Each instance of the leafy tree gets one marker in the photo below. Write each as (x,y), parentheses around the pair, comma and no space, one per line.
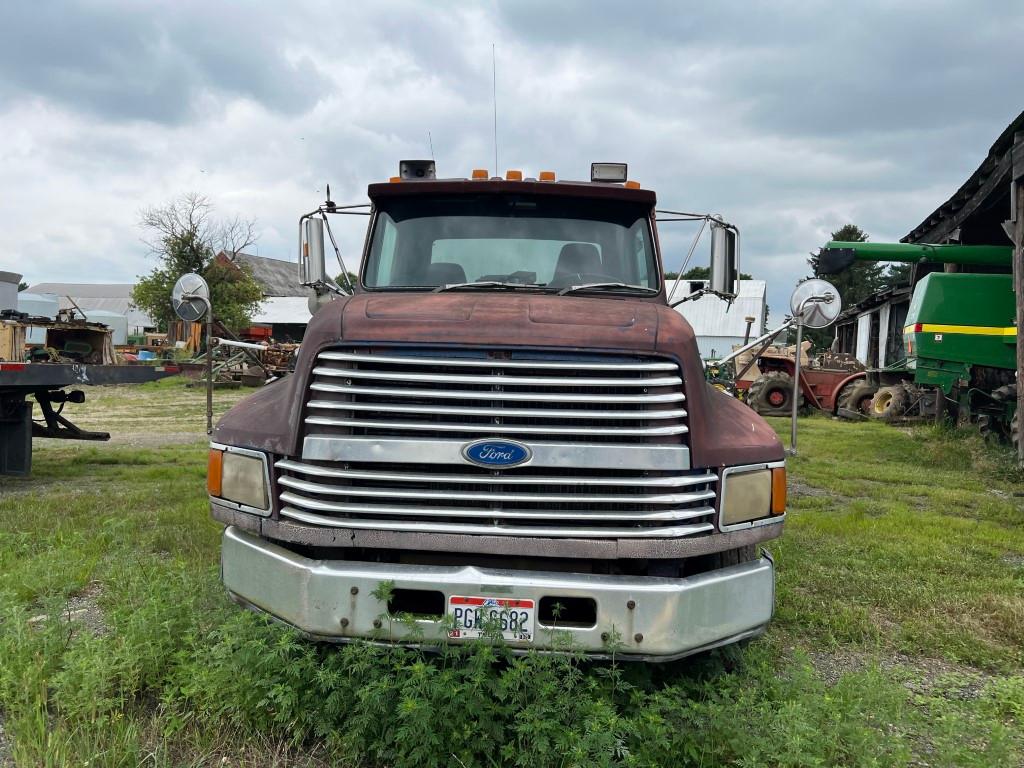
(897,274)
(185,237)
(862,278)
(700,273)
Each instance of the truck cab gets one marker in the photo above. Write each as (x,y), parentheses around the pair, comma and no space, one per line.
(502,431)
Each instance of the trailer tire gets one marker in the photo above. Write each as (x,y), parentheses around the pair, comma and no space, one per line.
(772,394)
(889,404)
(857,398)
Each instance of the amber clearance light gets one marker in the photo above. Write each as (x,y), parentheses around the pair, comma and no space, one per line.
(778,490)
(214,471)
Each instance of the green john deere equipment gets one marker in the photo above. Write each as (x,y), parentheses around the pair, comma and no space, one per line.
(959,338)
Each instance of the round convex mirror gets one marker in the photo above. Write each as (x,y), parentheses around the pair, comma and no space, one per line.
(188,296)
(820,301)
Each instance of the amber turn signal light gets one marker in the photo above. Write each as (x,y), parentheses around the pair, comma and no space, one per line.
(778,490)
(214,469)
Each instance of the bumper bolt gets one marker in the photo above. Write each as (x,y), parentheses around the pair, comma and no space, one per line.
(631,604)
(638,637)
(344,622)
(376,623)
(354,591)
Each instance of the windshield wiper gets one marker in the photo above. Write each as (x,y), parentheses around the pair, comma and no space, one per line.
(602,286)
(485,284)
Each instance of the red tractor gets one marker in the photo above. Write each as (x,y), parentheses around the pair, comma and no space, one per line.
(764,379)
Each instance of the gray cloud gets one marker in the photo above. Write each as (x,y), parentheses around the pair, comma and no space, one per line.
(134,61)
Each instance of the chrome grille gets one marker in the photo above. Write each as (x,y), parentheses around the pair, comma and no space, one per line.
(565,405)
(405,392)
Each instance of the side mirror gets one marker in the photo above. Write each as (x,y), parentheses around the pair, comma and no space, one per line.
(312,267)
(724,260)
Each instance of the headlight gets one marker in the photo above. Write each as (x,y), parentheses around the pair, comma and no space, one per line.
(752,493)
(238,475)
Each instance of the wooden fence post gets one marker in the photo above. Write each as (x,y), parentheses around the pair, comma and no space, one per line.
(1018,279)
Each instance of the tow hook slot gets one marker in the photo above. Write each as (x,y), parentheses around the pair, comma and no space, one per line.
(564,612)
(422,603)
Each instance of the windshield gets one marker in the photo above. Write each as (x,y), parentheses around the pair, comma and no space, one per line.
(548,243)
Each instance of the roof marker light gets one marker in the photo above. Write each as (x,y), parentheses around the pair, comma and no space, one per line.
(395,179)
(479,173)
(417,169)
(513,175)
(632,185)
(614,173)
(546,176)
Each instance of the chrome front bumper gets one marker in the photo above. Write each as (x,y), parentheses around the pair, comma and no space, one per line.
(645,617)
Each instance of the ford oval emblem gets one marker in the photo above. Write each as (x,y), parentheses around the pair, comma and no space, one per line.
(496,453)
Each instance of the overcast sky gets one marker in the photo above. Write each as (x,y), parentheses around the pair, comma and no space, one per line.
(788,118)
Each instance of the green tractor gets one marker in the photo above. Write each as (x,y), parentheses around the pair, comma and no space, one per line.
(959,338)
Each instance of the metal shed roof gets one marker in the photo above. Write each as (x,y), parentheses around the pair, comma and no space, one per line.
(275,277)
(711,316)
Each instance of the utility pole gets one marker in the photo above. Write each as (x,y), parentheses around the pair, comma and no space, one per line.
(1017,196)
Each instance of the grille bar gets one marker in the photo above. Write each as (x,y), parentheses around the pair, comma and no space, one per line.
(482,512)
(544,397)
(492,496)
(486,362)
(533,413)
(316,470)
(501,429)
(667,532)
(519,381)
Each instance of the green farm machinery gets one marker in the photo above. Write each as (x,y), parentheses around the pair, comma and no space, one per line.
(959,339)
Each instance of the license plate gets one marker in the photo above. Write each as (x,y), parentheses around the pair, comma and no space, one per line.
(474,616)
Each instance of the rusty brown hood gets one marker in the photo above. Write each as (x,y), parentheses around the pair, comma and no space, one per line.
(512,319)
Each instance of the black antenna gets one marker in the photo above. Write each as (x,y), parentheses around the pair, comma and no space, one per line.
(329,203)
(494,96)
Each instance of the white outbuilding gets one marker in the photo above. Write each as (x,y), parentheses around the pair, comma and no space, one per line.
(718,326)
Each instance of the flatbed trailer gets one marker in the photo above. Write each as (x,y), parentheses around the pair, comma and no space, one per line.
(47,383)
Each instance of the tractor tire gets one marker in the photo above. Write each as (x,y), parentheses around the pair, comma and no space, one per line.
(772,394)
(995,430)
(857,398)
(843,393)
(889,404)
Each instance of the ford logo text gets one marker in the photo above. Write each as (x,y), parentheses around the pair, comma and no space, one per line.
(496,453)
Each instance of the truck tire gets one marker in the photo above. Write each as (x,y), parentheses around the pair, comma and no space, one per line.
(772,394)
(889,404)
(857,398)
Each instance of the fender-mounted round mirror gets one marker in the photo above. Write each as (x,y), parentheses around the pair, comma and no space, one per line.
(816,302)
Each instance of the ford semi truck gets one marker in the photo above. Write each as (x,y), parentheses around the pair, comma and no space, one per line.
(502,429)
